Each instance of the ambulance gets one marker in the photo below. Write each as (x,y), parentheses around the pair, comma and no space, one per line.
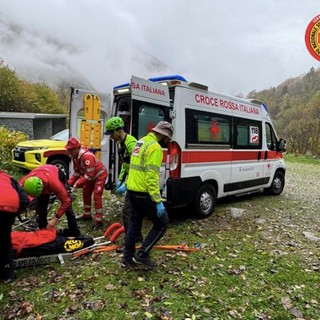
(222,145)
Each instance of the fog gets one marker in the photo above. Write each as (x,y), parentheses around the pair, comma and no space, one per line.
(232,46)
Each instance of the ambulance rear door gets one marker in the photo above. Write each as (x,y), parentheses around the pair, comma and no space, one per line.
(89,111)
(150,104)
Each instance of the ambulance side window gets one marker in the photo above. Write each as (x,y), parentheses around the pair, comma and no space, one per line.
(247,133)
(270,137)
(207,128)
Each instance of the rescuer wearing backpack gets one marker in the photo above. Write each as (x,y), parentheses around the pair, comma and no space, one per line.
(144,194)
(40,183)
(125,143)
(13,199)
(89,174)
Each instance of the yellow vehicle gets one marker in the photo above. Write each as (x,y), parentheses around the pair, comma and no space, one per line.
(34,153)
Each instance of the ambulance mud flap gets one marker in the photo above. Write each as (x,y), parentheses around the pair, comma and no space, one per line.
(182,191)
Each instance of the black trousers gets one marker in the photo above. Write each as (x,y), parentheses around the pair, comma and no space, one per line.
(126,213)
(6,251)
(142,206)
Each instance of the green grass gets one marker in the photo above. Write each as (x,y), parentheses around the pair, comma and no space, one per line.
(258,266)
(301,159)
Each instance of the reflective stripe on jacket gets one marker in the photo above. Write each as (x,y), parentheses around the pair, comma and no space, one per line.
(145,166)
(86,168)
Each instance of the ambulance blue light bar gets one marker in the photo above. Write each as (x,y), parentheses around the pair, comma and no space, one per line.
(265,106)
(167,78)
(154,79)
(258,102)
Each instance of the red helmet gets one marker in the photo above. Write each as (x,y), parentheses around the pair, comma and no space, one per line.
(72,144)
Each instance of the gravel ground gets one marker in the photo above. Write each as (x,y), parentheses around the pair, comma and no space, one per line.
(303,185)
(290,223)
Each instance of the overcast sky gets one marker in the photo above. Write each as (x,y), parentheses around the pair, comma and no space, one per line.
(233,46)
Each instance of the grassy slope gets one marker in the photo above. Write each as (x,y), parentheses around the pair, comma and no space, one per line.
(258,266)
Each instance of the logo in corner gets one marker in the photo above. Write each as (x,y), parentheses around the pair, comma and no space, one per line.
(312,37)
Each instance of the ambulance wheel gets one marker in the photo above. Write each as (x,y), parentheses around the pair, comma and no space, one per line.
(205,201)
(277,184)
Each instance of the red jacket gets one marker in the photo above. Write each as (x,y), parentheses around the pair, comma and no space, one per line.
(86,167)
(9,198)
(51,184)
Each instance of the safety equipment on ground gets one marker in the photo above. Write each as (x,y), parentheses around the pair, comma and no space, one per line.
(118,184)
(113,124)
(160,209)
(174,247)
(165,128)
(111,235)
(72,144)
(122,189)
(33,186)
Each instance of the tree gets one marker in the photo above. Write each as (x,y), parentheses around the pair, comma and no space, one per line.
(9,88)
(17,95)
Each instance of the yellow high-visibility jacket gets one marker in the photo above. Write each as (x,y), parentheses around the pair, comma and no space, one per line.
(125,150)
(145,166)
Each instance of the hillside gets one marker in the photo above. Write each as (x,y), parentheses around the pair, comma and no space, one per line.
(295,107)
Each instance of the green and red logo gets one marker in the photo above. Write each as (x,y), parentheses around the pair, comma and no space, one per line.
(312,37)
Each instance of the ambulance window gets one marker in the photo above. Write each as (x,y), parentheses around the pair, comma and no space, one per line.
(123,104)
(248,134)
(270,137)
(145,117)
(207,128)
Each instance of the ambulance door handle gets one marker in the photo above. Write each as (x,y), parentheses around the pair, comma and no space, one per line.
(259,155)
(266,155)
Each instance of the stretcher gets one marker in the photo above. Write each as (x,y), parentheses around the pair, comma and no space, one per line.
(112,234)
(39,247)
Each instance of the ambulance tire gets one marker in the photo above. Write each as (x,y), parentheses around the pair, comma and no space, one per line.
(205,201)
(277,184)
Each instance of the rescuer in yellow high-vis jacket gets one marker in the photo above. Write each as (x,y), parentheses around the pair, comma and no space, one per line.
(144,194)
(125,144)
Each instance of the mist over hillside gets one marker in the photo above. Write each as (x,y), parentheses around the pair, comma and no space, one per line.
(51,60)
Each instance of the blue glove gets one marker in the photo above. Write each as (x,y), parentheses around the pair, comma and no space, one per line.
(122,189)
(118,184)
(160,209)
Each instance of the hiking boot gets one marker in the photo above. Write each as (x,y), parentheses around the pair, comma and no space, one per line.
(7,281)
(97,225)
(7,273)
(146,261)
(126,263)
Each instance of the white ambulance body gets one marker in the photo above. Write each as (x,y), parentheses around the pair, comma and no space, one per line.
(221,145)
